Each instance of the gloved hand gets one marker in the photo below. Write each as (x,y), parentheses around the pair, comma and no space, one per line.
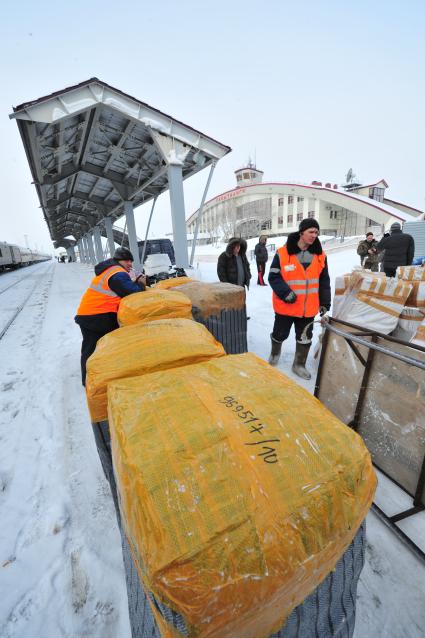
(290,297)
(141,279)
(323,310)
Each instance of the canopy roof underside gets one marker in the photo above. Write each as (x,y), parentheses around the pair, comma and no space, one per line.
(91,148)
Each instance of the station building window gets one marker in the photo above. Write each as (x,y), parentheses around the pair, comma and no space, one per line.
(290,199)
(280,201)
(280,221)
(290,219)
(299,217)
(300,199)
(377,194)
(311,214)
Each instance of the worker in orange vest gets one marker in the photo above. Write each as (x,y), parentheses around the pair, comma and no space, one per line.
(97,312)
(301,288)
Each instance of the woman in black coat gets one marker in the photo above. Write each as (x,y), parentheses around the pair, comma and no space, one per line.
(232,265)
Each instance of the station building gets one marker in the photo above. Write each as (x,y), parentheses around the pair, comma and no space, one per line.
(276,208)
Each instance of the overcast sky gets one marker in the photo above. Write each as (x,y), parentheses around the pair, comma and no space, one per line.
(308,88)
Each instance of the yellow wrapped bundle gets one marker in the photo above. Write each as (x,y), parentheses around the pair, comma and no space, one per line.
(142,348)
(154,304)
(165,284)
(211,298)
(239,492)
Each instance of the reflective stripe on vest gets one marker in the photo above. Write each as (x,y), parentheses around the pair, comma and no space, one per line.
(305,284)
(99,298)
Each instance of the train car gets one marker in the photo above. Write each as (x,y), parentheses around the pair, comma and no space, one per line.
(12,256)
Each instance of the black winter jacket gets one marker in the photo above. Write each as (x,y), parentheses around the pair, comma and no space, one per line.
(261,252)
(399,249)
(279,285)
(227,269)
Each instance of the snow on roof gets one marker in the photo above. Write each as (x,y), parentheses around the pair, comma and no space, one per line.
(390,210)
(381,181)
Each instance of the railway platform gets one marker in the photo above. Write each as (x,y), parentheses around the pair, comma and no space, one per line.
(60,550)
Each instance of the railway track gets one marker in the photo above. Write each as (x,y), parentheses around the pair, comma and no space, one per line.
(11,285)
(18,310)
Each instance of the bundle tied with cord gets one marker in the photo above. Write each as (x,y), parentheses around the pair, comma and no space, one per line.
(142,348)
(373,301)
(221,308)
(154,304)
(235,502)
(172,282)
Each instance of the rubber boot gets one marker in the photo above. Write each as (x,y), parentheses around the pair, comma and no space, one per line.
(301,354)
(275,353)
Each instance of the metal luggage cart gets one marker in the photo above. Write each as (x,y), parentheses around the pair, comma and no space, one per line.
(375,384)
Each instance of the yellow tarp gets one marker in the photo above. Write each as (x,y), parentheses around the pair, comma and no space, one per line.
(154,304)
(142,348)
(165,284)
(239,491)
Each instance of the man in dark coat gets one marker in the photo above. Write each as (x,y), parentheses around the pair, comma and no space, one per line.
(97,312)
(232,265)
(369,255)
(399,250)
(261,256)
(301,288)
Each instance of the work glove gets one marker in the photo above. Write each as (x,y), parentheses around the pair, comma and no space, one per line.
(141,279)
(291,297)
(323,310)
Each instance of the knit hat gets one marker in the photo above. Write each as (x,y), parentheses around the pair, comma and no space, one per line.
(395,226)
(309,222)
(123,254)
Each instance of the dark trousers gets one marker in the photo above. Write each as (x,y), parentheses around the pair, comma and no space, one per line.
(283,323)
(261,268)
(92,328)
(374,267)
(390,272)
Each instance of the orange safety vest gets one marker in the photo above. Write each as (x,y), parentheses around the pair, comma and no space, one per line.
(99,298)
(304,282)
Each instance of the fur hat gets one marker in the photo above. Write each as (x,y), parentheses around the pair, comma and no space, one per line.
(307,223)
(395,226)
(123,254)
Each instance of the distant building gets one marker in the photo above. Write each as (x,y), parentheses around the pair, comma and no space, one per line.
(276,208)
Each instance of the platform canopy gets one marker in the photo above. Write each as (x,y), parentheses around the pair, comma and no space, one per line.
(94,151)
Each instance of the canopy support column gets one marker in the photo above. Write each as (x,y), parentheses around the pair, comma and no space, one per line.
(174,154)
(109,235)
(71,253)
(131,231)
(86,250)
(90,247)
(98,243)
(178,217)
(201,208)
(80,249)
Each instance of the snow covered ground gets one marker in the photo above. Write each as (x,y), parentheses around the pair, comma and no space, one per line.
(61,571)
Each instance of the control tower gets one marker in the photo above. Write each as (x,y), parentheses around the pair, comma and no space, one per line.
(248,175)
